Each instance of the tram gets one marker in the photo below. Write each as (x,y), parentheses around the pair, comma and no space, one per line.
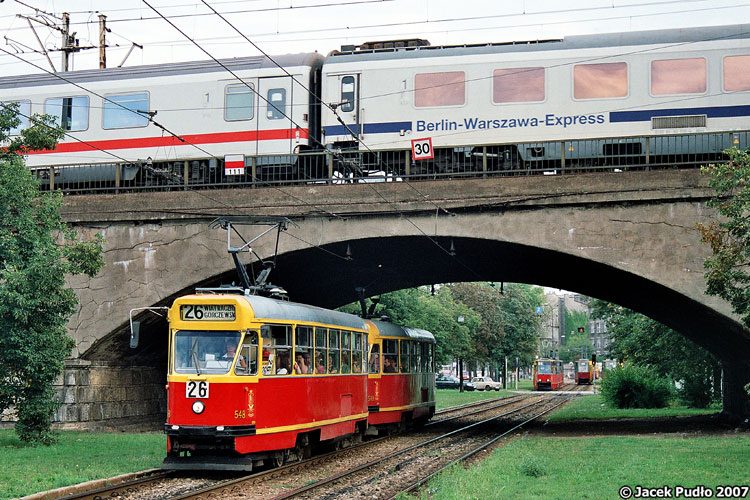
(547,374)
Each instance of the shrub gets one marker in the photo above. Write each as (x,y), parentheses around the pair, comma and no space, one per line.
(533,466)
(635,387)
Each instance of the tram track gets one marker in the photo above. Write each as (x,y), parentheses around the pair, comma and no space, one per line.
(266,484)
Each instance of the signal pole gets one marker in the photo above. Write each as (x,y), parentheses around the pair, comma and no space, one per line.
(102,41)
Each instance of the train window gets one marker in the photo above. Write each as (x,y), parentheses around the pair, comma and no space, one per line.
(357,353)
(678,76)
(125,111)
(303,350)
(72,113)
(346,352)
(24,112)
(321,335)
(440,89)
(247,361)
(602,80)
(390,356)
(204,351)
(736,73)
(414,365)
(238,102)
(276,104)
(518,85)
(405,351)
(544,367)
(425,358)
(374,365)
(333,351)
(347,94)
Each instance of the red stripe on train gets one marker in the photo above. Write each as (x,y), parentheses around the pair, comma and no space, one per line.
(167,141)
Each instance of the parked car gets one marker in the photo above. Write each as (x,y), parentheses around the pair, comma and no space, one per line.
(485,384)
(451,382)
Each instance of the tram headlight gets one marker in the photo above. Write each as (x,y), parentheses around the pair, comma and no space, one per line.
(198,407)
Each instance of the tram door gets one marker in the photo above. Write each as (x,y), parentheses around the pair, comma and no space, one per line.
(349,108)
(275,128)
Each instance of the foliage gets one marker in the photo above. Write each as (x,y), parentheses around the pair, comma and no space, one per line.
(633,386)
(37,252)
(647,342)
(727,273)
(576,346)
(533,466)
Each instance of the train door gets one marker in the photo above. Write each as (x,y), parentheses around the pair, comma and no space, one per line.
(240,113)
(275,127)
(348,105)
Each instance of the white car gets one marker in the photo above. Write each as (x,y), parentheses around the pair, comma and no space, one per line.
(485,384)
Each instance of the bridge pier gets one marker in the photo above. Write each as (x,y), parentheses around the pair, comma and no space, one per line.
(736,404)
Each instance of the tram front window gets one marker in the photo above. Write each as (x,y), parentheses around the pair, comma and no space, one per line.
(201,352)
(583,367)
(544,368)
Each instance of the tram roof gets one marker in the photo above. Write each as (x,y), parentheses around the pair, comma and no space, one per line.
(267,308)
(388,329)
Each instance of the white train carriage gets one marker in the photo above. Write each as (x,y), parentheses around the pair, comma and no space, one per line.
(205,105)
(656,84)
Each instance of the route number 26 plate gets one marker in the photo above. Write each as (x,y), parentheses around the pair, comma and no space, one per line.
(196,389)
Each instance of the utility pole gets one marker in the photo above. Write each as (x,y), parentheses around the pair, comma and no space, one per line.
(102,41)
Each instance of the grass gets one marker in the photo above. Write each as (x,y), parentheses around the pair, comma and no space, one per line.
(593,407)
(558,468)
(77,457)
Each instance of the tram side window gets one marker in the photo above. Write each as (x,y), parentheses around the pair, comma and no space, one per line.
(404,367)
(390,356)
(277,349)
(346,352)
(24,112)
(356,352)
(72,113)
(374,364)
(736,73)
(414,365)
(303,351)
(321,348)
(247,362)
(425,357)
(333,351)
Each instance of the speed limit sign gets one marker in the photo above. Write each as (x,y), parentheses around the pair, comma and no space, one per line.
(421,149)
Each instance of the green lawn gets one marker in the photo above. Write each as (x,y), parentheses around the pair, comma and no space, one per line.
(77,457)
(593,407)
(576,468)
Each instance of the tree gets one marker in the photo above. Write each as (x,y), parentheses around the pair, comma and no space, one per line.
(37,252)
(646,342)
(727,273)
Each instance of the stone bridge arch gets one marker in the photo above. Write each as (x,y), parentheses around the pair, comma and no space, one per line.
(625,237)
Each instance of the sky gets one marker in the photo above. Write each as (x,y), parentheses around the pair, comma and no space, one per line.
(294,26)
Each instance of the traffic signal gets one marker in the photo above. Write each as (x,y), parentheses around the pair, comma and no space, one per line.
(593,358)
(580,329)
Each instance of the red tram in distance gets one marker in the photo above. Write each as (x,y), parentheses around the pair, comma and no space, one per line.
(584,372)
(255,381)
(547,374)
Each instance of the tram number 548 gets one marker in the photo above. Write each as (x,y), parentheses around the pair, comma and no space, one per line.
(421,149)
(196,389)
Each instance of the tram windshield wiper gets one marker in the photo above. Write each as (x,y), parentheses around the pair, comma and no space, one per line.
(194,355)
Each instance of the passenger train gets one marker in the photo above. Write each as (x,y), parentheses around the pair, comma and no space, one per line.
(655,92)
(584,371)
(547,374)
(255,381)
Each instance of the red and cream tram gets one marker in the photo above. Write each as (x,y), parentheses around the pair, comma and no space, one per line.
(584,371)
(257,381)
(547,374)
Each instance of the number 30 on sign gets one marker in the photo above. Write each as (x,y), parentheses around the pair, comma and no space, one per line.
(421,149)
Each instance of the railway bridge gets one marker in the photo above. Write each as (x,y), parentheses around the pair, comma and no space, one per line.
(626,237)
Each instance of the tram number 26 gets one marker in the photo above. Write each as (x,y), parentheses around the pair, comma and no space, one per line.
(196,389)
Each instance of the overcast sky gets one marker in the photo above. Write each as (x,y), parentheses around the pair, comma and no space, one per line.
(289,26)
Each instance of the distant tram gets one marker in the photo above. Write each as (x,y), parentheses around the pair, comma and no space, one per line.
(584,372)
(547,374)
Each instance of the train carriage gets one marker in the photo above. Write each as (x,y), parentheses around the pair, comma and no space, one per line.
(584,372)
(547,374)
(296,377)
(401,383)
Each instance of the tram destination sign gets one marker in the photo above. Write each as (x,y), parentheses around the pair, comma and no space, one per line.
(207,312)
